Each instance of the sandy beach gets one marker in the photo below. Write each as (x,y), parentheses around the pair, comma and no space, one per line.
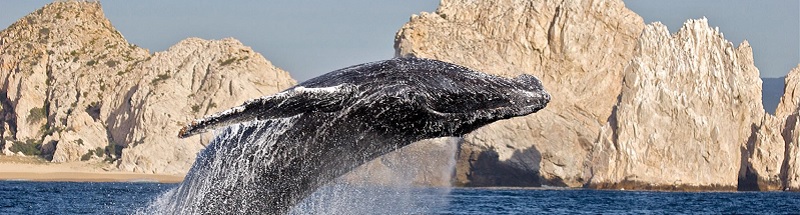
(34,169)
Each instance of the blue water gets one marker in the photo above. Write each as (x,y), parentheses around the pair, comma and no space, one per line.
(19,197)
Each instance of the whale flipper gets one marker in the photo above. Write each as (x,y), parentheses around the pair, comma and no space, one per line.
(285,104)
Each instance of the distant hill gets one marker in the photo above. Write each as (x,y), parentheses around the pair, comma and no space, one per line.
(772,90)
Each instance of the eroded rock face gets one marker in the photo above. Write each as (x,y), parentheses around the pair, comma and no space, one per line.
(191,79)
(688,114)
(770,157)
(788,111)
(791,95)
(577,48)
(689,103)
(60,66)
(763,157)
(73,84)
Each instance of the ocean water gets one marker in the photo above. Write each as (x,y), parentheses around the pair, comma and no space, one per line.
(21,197)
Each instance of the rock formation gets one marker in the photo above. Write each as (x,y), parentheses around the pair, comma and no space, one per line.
(189,80)
(769,160)
(763,157)
(791,95)
(74,89)
(60,67)
(689,102)
(788,112)
(679,111)
(577,48)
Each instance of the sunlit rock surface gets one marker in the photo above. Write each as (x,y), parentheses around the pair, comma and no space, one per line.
(788,112)
(62,67)
(578,48)
(631,108)
(73,84)
(190,79)
(689,104)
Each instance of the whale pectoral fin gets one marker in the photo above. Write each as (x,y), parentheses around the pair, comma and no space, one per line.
(286,104)
(248,111)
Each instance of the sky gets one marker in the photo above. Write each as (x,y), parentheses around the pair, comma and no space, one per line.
(312,37)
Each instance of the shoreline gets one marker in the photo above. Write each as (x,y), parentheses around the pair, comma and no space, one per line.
(17,168)
(89,177)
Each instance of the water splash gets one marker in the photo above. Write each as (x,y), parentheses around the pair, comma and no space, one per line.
(228,164)
(349,199)
(392,190)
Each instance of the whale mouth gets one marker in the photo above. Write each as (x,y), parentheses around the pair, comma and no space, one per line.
(527,103)
(540,98)
(527,96)
(531,92)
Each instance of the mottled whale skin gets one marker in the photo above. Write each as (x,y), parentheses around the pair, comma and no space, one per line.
(333,123)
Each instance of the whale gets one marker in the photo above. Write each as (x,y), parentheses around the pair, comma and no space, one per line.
(271,152)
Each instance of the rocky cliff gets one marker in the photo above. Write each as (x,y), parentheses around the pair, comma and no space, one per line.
(75,90)
(191,79)
(788,114)
(633,106)
(578,49)
(689,103)
(60,66)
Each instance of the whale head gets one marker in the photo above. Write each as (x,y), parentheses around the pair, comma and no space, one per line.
(430,98)
(471,99)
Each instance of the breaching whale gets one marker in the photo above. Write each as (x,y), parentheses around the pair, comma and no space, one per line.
(278,149)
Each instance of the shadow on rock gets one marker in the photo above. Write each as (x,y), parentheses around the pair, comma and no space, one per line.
(482,167)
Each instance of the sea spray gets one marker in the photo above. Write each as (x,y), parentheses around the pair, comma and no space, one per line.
(391,190)
(226,164)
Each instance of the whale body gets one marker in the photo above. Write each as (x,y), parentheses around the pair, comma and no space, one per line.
(278,149)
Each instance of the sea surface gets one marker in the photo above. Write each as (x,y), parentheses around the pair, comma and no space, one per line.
(22,197)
